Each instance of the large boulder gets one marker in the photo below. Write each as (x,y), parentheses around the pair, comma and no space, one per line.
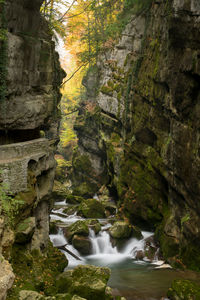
(120,230)
(77,228)
(6,277)
(183,290)
(85,281)
(25,230)
(92,208)
(82,244)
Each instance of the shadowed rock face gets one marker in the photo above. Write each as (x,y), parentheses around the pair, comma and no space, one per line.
(32,77)
(33,72)
(143,130)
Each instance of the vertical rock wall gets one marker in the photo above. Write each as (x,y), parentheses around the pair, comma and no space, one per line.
(140,134)
(30,80)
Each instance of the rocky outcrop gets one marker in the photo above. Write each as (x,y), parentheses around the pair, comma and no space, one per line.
(6,277)
(30,76)
(139,134)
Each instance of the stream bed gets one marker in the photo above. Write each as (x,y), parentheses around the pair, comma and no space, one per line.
(130,277)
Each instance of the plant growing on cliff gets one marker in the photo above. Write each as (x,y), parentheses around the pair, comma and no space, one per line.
(9,206)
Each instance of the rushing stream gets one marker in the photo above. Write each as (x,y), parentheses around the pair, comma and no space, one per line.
(131,278)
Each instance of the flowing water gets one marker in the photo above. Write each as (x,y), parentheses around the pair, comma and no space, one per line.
(131,278)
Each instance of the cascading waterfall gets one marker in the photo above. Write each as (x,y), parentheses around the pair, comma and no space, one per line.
(102,249)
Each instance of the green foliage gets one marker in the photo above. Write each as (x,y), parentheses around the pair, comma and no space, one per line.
(52,11)
(9,206)
(185,219)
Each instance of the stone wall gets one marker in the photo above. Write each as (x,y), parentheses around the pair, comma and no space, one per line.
(143,130)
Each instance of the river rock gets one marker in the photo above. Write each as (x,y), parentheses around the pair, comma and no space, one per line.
(25,230)
(85,281)
(70,210)
(94,225)
(82,244)
(184,289)
(6,277)
(73,199)
(136,232)
(78,228)
(120,230)
(91,208)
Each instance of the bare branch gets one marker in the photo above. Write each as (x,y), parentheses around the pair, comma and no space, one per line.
(74,74)
(80,12)
(67,10)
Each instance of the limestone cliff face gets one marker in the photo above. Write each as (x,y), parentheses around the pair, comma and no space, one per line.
(31,75)
(140,133)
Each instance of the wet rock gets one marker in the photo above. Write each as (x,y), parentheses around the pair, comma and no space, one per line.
(120,230)
(6,277)
(136,232)
(140,255)
(25,230)
(53,227)
(184,289)
(85,281)
(70,210)
(82,244)
(73,199)
(78,228)
(91,208)
(94,225)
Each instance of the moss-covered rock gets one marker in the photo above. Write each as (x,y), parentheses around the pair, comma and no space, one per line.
(136,232)
(60,191)
(92,208)
(120,230)
(35,271)
(25,230)
(184,290)
(78,228)
(74,199)
(94,225)
(85,281)
(82,244)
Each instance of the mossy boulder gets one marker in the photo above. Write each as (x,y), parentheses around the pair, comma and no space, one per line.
(25,230)
(94,225)
(120,230)
(60,191)
(74,199)
(85,281)
(70,210)
(91,208)
(82,244)
(136,233)
(35,271)
(77,228)
(184,290)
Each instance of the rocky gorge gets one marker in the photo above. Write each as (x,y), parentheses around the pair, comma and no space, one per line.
(138,129)
(138,145)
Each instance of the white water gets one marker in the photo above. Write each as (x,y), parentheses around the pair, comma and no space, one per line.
(102,248)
